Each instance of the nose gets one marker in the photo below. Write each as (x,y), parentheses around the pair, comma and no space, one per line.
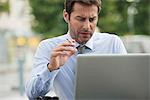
(86,25)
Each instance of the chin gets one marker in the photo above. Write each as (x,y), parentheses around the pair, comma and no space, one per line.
(84,39)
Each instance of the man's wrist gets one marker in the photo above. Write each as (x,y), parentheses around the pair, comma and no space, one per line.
(50,67)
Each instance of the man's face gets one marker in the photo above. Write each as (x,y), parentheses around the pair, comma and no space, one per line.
(82,22)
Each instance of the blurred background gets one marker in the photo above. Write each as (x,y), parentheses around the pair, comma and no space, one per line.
(24,23)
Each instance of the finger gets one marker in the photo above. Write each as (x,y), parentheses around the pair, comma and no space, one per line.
(68,43)
(64,48)
(64,52)
(71,40)
(72,52)
(54,54)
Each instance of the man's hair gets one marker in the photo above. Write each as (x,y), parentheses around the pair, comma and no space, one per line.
(69,4)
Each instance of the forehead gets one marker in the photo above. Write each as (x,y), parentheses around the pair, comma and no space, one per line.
(84,10)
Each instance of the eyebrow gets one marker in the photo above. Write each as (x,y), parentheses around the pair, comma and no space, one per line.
(79,17)
(85,17)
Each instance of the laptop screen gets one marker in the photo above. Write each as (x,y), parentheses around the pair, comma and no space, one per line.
(113,77)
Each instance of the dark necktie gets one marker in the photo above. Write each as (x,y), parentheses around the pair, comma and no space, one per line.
(81,49)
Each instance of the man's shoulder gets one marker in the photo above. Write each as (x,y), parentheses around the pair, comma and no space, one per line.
(53,41)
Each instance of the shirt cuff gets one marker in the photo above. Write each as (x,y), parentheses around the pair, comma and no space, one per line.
(46,75)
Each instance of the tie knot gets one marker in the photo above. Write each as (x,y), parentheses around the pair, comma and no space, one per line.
(81,49)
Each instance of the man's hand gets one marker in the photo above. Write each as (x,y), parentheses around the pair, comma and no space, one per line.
(61,54)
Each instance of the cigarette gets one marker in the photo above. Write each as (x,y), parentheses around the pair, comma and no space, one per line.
(69,41)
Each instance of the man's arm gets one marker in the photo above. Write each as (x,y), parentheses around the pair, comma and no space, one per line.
(48,59)
(41,80)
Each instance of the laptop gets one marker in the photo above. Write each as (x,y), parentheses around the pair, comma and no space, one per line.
(113,77)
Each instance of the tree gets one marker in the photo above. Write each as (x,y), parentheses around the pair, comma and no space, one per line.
(48,17)
(142,19)
(113,17)
(109,18)
(4,6)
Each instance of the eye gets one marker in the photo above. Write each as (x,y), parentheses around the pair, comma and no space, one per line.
(91,19)
(80,19)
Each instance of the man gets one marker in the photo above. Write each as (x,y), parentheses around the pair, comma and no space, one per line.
(55,59)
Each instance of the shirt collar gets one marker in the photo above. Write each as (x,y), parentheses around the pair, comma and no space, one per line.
(89,44)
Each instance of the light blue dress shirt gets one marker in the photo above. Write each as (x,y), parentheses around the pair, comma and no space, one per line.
(63,79)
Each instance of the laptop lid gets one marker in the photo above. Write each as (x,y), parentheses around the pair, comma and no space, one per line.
(113,77)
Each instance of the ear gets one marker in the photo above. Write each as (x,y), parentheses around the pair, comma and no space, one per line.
(66,16)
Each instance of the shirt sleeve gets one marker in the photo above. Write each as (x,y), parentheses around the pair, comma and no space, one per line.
(41,80)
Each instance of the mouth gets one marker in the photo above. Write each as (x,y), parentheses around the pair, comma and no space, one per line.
(85,34)
(82,34)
